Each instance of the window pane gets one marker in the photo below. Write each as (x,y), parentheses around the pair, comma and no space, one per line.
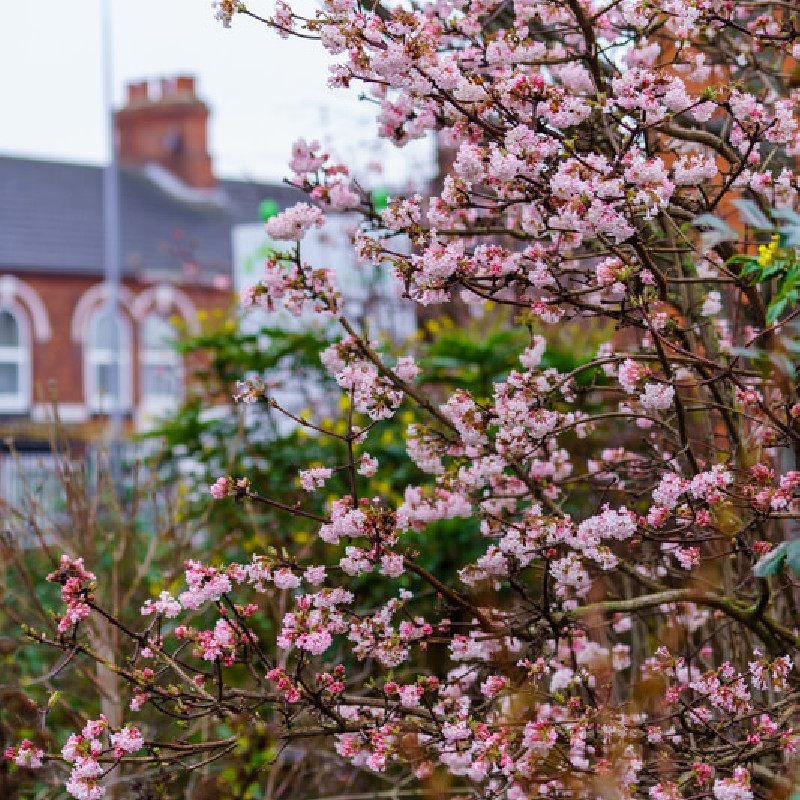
(161,380)
(9,378)
(9,330)
(157,333)
(105,332)
(108,382)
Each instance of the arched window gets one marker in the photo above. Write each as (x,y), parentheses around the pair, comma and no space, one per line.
(162,370)
(15,361)
(108,362)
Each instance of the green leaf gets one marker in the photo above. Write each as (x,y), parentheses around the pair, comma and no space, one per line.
(769,271)
(719,231)
(793,556)
(751,214)
(747,352)
(776,309)
(771,563)
(788,214)
(786,553)
(715,223)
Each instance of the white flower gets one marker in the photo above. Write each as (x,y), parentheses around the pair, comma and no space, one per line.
(657,396)
(712,305)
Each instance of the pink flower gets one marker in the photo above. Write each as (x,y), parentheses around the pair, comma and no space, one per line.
(303,159)
(670,489)
(736,788)
(82,783)
(712,305)
(26,755)
(391,565)
(406,369)
(688,557)
(224,487)
(314,478)
(630,374)
(657,396)
(293,223)
(609,271)
(702,772)
(95,727)
(410,695)
(367,465)
(285,579)
(314,575)
(316,642)
(166,605)
(456,731)
(128,740)
(493,685)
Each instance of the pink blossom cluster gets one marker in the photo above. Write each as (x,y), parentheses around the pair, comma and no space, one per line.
(77,587)
(83,750)
(206,584)
(315,621)
(314,478)
(25,755)
(293,223)
(217,644)
(294,285)
(372,393)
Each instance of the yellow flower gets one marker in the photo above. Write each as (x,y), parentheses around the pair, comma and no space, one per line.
(766,254)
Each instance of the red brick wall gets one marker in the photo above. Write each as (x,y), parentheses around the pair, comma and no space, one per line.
(59,362)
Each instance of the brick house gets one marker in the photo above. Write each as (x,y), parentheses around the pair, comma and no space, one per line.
(176,220)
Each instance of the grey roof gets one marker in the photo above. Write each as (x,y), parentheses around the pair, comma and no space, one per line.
(51,219)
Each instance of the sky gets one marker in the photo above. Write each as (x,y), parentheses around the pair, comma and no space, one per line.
(263,91)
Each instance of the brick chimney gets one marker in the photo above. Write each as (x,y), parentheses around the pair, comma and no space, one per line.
(166,123)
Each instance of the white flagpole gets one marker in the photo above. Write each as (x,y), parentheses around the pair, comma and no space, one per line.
(111,242)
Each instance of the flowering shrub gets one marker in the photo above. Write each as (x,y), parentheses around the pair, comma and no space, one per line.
(613,637)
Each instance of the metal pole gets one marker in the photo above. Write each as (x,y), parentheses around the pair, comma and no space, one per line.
(109,680)
(111,257)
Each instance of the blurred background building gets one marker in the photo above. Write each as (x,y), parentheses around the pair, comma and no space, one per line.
(59,343)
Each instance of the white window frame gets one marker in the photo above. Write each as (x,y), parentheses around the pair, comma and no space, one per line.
(95,357)
(166,356)
(20,355)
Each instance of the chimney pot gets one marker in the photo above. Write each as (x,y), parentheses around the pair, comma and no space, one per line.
(185,84)
(165,122)
(137,92)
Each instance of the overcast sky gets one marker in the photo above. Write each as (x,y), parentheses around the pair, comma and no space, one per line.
(263,91)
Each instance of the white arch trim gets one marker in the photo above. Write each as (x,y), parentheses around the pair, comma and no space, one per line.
(95,296)
(18,355)
(164,296)
(12,288)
